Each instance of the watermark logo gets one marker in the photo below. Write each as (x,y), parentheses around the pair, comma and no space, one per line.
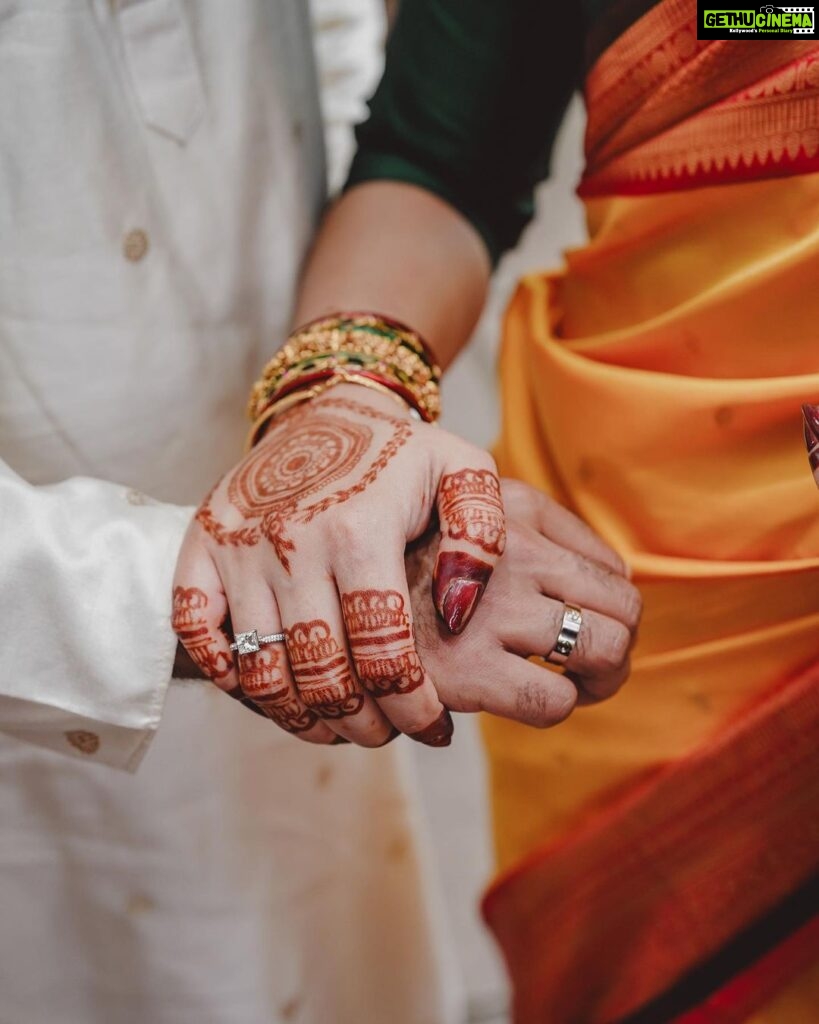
(754,21)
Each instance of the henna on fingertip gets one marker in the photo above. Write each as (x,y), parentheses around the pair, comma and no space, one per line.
(265,684)
(458,583)
(438,734)
(470,510)
(470,503)
(381,642)
(321,670)
(189,621)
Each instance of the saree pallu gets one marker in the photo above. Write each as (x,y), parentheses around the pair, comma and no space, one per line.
(659,850)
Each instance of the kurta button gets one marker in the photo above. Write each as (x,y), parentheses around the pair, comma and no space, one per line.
(135,245)
(84,741)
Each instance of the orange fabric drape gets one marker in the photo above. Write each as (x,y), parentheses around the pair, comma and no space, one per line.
(654,386)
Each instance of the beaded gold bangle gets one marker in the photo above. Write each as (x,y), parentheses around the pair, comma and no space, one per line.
(312,391)
(358,346)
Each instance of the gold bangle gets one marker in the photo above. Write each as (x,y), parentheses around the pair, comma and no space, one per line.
(303,395)
(382,347)
(303,356)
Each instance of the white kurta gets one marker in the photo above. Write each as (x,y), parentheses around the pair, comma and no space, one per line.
(161,172)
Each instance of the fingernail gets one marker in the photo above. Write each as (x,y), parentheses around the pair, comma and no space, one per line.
(439,734)
(459,602)
(457,584)
(392,735)
(810,414)
(339,739)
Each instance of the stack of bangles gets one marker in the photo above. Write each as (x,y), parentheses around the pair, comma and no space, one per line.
(356,348)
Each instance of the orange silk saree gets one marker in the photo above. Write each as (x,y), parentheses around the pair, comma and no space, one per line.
(659,851)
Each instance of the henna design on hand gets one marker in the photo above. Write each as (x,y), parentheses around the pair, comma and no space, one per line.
(264,684)
(470,503)
(321,671)
(190,624)
(382,642)
(438,734)
(471,510)
(308,450)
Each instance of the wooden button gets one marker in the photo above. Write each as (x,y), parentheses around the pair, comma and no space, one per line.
(85,742)
(135,245)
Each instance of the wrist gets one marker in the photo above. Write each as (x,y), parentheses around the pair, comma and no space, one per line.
(362,350)
(385,402)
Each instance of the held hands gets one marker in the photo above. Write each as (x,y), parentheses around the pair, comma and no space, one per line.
(306,537)
(551,557)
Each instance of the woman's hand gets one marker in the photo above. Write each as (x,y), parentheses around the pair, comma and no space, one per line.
(551,557)
(306,536)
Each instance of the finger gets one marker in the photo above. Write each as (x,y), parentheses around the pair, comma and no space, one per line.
(473,536)
(381,638)
(198,617)
(594,689)
(561,526)
(265,678)
(563,573)
(324,676)
(599,661)
(528,693)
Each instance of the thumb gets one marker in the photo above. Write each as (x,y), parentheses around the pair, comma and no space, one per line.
(473,536)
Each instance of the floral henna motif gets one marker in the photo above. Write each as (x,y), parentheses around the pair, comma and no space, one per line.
(471,506)
(307,451)
(321,671)
(189,622)
(263,682)
(381,641)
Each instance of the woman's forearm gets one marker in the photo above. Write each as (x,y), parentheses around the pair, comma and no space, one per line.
(396,249)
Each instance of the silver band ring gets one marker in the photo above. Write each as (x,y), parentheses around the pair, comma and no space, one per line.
(250,642)
(567,637)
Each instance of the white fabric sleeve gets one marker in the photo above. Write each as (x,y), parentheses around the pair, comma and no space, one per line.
(349,45)
(86,569)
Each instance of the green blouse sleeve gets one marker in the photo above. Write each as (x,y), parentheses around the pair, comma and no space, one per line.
(469,105)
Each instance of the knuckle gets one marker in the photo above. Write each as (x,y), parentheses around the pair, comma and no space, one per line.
(475,457)
(522,544)
(514,491)
(616,645)
(563,705)
(389,675)
(545,703)
(351,534)
(329,698)
(632,608)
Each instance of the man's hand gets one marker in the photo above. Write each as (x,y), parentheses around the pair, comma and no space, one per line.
(551,557)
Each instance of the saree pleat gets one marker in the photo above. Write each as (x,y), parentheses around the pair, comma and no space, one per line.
(654,386)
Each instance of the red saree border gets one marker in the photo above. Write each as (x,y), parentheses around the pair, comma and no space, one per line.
(748,971)
(668,111)
(748,991)
(665,878)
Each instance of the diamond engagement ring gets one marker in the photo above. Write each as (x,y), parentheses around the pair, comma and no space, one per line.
(567,637)
(249,643)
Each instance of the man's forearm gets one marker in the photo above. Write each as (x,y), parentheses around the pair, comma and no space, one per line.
(398,250)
